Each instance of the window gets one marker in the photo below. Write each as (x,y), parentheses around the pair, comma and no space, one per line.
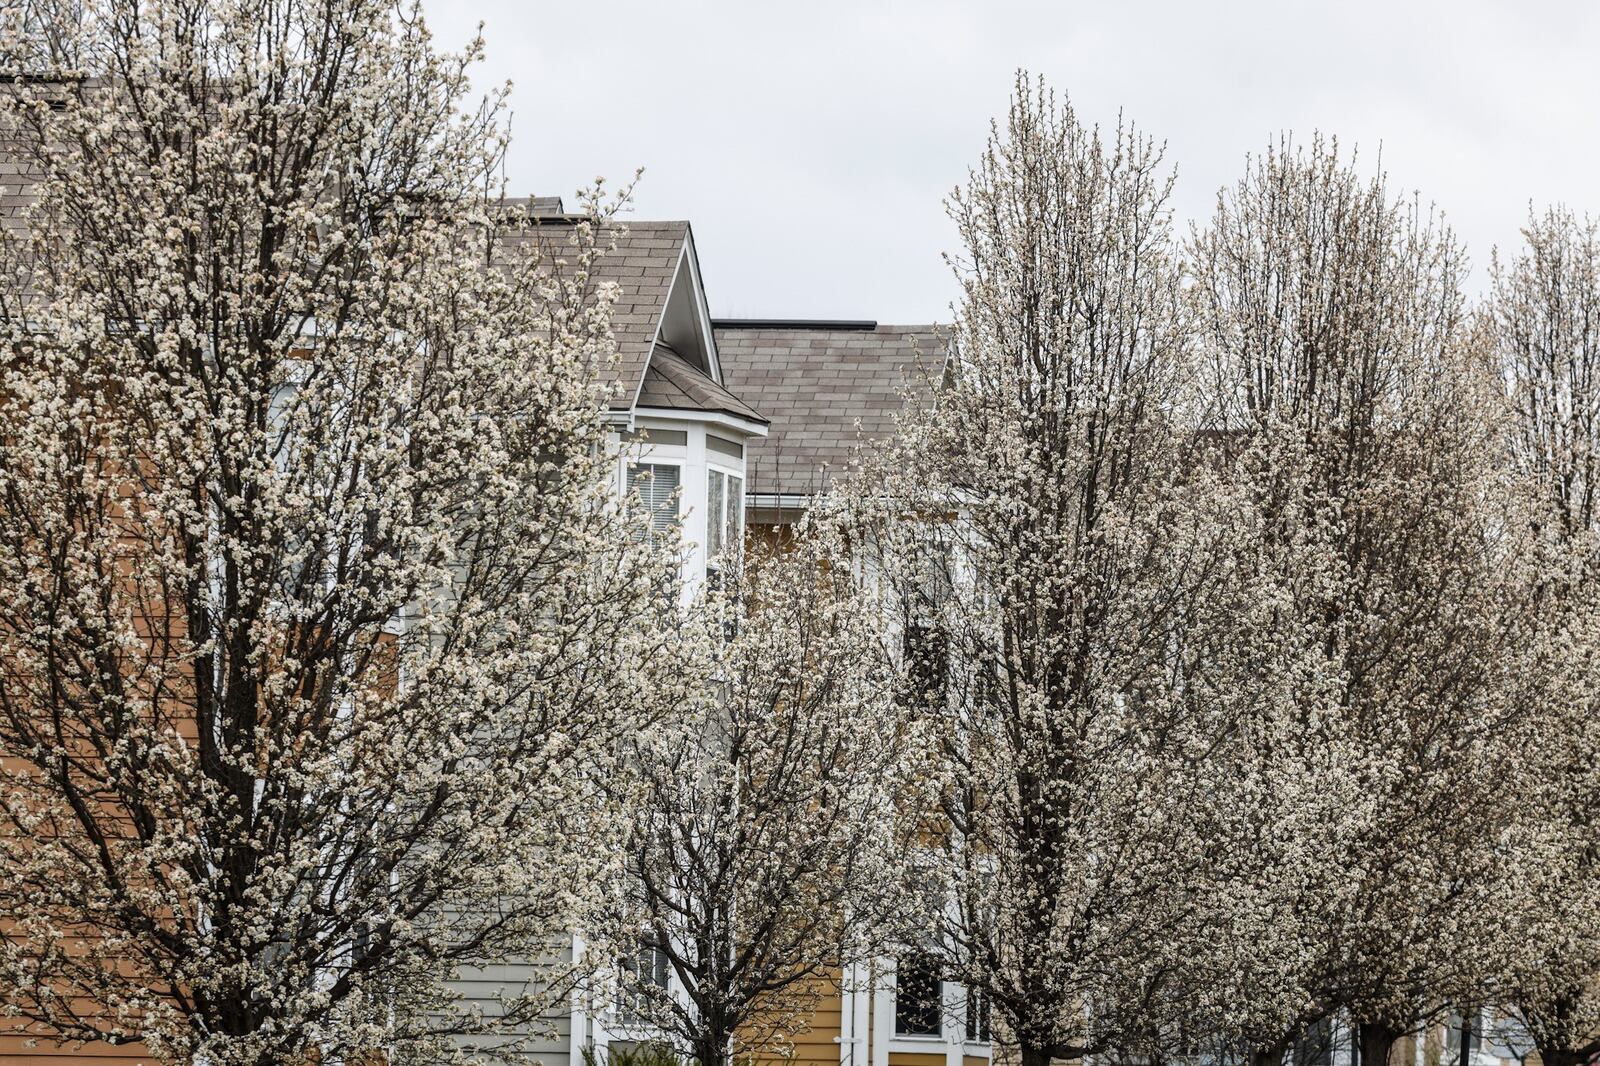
(716,505)
(925,643)
(656,487)
(644,980)
(927,662)
(1315,1046)
(1463,1035)
(1502,1036)
(977,1017)
(918,1010)
(724,514)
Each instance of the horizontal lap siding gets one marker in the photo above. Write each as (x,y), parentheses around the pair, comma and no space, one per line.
(915,1058)
(550,1041)
(91,1055)
(14,1050)
(22,1044)
(817,1043)
(26,1044)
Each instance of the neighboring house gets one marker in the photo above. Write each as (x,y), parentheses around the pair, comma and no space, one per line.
(830,389)
(683,438)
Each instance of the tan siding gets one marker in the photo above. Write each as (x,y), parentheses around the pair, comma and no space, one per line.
(915,1058)
(815,1041)
(14,1051)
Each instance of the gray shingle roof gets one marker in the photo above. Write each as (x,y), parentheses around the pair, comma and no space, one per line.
(674,383)
(18,178)
(827,391)
(642,265)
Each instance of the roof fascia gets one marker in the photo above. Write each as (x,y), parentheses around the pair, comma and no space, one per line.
(702,308)
(715,418)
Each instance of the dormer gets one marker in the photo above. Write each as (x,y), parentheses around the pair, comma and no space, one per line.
(685,325)
(678,425)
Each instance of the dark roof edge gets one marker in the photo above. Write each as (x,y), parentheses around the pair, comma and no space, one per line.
(859,324)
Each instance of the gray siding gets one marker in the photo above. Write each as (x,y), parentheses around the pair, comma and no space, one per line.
(550,1041)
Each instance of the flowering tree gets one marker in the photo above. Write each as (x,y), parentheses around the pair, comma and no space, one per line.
(321,621)
(1367,756)
(1046,525)
(763,809)
(1545,318)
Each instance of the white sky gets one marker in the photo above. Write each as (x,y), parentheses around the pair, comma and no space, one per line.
(811,144)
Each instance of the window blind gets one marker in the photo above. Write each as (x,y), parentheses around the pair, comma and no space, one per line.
(656,485)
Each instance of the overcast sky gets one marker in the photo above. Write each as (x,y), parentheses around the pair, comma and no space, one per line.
(811,142)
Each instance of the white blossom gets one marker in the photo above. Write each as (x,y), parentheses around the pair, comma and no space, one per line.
(1045,522)
(1544,317)
(322,623)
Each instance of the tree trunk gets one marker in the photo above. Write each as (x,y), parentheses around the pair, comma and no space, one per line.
(1034,1056)
(1560,1056)
(1267,1056)
(1374,1041)
(711,1049)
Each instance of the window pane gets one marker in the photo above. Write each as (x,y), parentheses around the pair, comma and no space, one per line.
(657,488)
(644,970)
(736,512)
(927,662)
(714,520)
(917,1009)
(977,1017)
(664,498)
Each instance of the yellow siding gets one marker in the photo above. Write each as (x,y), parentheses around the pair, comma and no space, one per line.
(818,1045)
(814,1039)
(917,1058)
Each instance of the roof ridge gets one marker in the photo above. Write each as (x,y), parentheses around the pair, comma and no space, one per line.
(840,324)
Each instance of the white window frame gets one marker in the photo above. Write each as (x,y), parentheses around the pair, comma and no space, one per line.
(631,464)
(729,501)
(952,1040)
(629,1019)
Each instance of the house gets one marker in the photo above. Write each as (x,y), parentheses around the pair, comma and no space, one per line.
(723,421)
(734,425)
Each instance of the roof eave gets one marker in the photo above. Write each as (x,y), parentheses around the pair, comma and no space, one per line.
(727,419)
